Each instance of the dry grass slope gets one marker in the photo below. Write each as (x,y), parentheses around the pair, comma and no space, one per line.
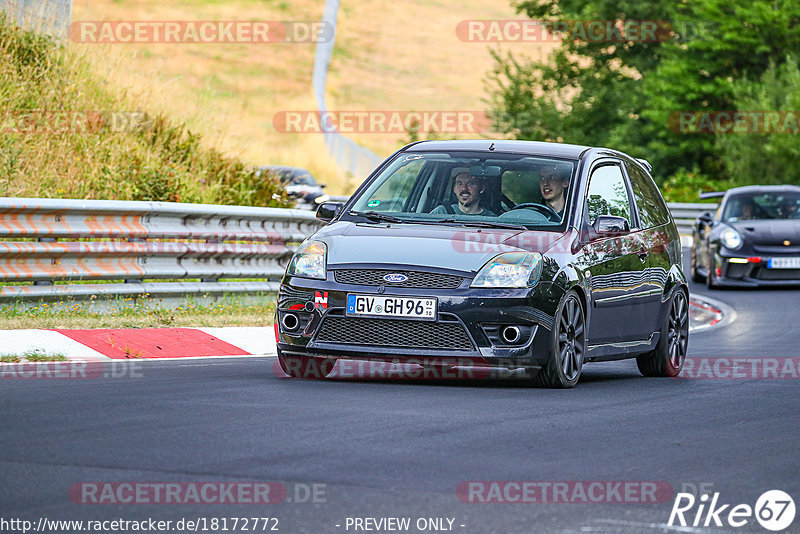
(388,56)
(59,141)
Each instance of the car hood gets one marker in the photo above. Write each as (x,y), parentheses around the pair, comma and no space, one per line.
(447,247)
(769,232)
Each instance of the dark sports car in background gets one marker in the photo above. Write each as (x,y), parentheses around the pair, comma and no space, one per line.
(462,251)
(753,238)
(300,185)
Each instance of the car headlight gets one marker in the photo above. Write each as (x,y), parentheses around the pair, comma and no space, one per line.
(511,269)
(731,238)
(309,260)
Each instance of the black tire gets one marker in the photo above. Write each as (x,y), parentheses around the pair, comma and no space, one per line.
(563,368)
(666,360)
(697,278)
(307,367)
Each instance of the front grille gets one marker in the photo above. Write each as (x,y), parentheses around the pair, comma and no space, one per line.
(776,250)
(778,274)
(394,333)
(418,279)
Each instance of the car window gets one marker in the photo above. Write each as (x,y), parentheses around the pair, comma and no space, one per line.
(390,196)
(521,186)
(502,188)
(608,194)
(778,204)
(649,202)
(303,179)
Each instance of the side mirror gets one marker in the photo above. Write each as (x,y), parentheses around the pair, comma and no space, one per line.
(611,225)
(323,185)
(327,211)
(706,218)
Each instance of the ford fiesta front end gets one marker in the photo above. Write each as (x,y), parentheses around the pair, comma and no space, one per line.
(462,253)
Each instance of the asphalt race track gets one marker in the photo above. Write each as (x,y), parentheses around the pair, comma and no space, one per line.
(398,448)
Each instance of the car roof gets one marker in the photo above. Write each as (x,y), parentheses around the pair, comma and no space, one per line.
(534,148)
(282,168)
(755,189)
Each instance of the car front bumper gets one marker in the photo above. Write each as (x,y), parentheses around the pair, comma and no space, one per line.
(739,270)
(467,329)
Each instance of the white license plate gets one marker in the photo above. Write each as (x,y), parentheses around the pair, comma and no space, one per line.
(784,263)
(390,306)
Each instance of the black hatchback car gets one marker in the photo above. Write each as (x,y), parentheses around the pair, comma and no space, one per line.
(515,254)
(753,238)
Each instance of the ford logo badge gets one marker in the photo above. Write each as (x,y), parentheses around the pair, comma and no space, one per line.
(395,278)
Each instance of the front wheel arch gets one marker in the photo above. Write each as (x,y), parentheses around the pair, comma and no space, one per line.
(669,355)
(569,344)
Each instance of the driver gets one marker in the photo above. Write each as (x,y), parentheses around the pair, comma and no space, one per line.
(746,208)
(469,192)
(552,184)
(789,208)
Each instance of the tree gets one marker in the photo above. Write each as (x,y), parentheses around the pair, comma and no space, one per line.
(769,157)
(622,94)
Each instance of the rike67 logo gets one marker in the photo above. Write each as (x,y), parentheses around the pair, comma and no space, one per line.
(774,510)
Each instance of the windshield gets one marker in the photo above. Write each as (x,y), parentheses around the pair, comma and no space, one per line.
(301,178)
(772,205)
(471,187)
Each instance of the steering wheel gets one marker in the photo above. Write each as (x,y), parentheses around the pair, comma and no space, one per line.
(541,208)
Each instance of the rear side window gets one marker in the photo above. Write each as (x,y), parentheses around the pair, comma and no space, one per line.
(652,209)
(608,194)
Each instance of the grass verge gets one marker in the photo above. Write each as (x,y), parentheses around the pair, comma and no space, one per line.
(139,313)
(34,355)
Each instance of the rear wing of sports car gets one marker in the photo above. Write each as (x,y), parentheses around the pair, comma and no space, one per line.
(712,194)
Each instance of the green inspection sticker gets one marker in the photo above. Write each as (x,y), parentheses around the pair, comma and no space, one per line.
(373,203)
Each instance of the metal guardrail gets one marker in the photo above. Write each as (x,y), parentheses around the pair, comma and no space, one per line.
(357,160)
(46,241)
(685,214)
(49,17)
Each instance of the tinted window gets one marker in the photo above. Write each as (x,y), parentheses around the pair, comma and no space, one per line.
(650,203)
(505,188)
(608,194)
(777,204)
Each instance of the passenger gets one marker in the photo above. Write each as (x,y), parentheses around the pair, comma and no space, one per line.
(469,192)
(789,209)
(553,183)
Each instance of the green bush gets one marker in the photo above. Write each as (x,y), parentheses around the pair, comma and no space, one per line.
(685,186)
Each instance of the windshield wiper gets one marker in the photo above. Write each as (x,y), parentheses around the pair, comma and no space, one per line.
(375,216)
(484,224)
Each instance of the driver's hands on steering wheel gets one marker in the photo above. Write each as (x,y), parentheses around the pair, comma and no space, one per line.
(547,211)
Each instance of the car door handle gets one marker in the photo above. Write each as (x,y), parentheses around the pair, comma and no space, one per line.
(643,254)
